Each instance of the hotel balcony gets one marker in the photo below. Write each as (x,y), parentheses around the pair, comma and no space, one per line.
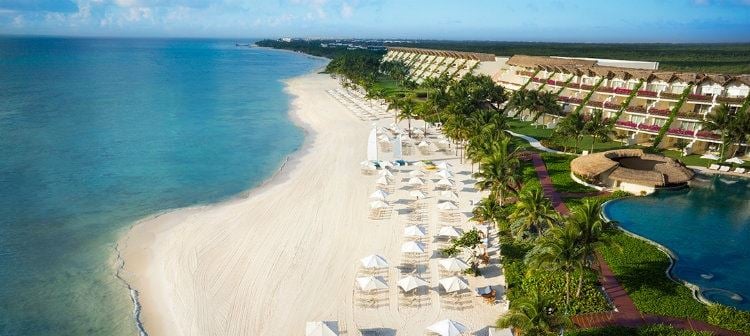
(730,100)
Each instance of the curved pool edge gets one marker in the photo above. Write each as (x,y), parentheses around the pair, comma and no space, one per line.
(695,289)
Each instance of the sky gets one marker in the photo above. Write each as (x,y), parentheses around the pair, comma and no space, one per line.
(498,20)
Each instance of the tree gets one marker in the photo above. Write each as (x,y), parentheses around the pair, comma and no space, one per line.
(534,315)
(559,250)
(532,214)
(587,220)
(597,128)
(573,125)
(469,240)
(407,111)
(541,103)
(487,210)
(721,121)
(739,131)
(500,171)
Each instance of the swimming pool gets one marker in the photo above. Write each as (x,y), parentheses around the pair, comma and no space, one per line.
(706,227)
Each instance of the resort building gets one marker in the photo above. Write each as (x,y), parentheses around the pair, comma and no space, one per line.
(426,63)
(643,100)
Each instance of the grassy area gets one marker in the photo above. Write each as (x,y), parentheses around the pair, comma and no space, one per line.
(650,330)
(558,167)
(546,137)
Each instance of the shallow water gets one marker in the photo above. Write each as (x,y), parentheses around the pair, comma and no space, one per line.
(96,133)
(707,227)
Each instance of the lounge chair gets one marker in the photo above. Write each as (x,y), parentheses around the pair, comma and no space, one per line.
(724,168)
(740,170)
(714,167)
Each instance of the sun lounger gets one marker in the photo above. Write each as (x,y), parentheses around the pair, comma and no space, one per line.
(740,170)
(724,168)
(714,167)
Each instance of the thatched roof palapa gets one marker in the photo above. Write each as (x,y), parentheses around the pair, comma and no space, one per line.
(666,172)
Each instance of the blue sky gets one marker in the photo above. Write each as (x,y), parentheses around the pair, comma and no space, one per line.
(520,20)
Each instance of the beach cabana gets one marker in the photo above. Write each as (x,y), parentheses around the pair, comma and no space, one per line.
(322,328)
(413,231)
(410,283)
(453,265)
(370,283)
(447,328)
(417,194)
(374,261)
(449,231)
(447,206)
(412,247)
(453,284)
(379,195)
(378,205)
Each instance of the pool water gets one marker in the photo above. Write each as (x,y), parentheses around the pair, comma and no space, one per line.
(706,226)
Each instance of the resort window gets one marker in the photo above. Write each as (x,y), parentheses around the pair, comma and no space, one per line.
(678,88)
(637,119)
(689,125)
(659,121)
(618,84)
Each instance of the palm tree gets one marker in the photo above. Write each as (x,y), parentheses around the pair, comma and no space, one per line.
(720,120)
(534,315)
(739,132)
(573,125)
(533,212)
(587,220)
(487,210)
(559,250)
(597,128)
(406,111)
(543,102)
(499,172)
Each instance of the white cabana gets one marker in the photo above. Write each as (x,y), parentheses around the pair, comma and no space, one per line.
(379,195)
(417,194)
(413,231)
(370,283)
(444,165)
(710,156)
(453,284)
(444,183)
(449,231)
(414,181)
(416,173)
(410,283)
(382,181)
(322,328)
(412,247)
(447,206)
(372,146)
(449,195)
(453,264)
(378,205)
(447,328)
(373,261)
(735,160)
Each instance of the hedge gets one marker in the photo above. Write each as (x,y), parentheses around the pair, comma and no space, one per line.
(650,330)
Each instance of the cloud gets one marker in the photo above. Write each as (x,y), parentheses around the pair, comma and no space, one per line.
(58,6)
(346,10)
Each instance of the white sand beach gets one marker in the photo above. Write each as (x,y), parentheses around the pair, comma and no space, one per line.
(289,253)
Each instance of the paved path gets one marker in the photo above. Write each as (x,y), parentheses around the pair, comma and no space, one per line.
(626,313)
(536,144)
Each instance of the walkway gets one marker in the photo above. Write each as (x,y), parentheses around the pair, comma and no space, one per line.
(536,144)
(626,313)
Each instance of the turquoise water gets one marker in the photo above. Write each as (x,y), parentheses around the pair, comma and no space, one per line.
(97,133)
(706,226)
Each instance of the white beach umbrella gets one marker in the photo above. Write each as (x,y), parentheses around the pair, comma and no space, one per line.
(413,231)
(412,247)
(379,195)
(378,205)
(448,231)
(444,165)
(445,182)
(374,261)
(709,156)
(453,284)
(417,194)
(735,160)
(382,181)
(444,174)
(447,328)
(447,206)
(445,142)
(386,164)
(423,144)
(415,181)
(322,328)
(384,138)
(416,173)
(453,265)
(419,164)
(410,283)
(370,283)
(386,173)
(449,195)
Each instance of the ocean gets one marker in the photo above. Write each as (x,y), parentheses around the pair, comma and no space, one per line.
(98,133)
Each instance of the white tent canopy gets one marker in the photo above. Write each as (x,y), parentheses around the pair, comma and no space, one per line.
(370,283)
(453,265)
(447,328)
(374,261)
(447,206)
(322,328)
(412,247)
(417,194)
(411,282)
(413,231)
(449,231)
(378,205)
(453,284)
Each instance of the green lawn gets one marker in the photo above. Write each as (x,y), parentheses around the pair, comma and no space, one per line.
(546,136)
(650,330)
(558,167)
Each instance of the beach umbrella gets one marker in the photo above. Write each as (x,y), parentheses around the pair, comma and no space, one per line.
(447,206)
(447,328)
(417,194)
(449,195)
(413,231)
(370,283)
(384,138)
(735,160)
(374,261)
(416,173)
(423,144)
(444,165)
(448,231)
(412,247)
(445,142)
(709,156)
(415,181)
(386,173)
(379,195)
(445,174)
(453,284)
(378,205)
(386,164)
(382,181)
(322,328)
(419,164)
(453,265)
(410,283)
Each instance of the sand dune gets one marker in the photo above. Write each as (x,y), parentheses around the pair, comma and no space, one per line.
(287,254)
